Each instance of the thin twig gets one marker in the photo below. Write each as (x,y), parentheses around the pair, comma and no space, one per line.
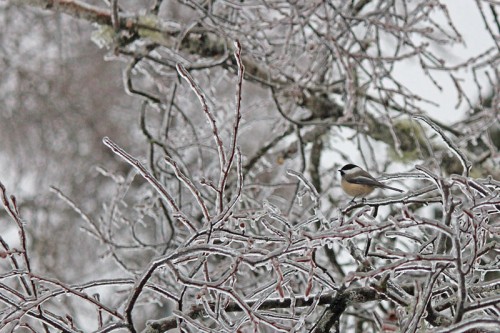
(466,164)
(160,189)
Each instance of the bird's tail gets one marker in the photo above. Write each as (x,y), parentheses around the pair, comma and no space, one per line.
(393,188)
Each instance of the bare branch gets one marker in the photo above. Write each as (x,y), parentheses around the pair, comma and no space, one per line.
(466,164)
(151,179)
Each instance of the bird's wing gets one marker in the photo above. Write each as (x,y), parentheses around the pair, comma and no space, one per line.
(363,180)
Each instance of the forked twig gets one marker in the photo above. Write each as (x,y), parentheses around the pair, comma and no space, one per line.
(151,179)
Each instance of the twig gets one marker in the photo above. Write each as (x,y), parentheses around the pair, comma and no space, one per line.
(236,125)
(466,164)
(10,206)
(211,119)
(160,189)
(192,188)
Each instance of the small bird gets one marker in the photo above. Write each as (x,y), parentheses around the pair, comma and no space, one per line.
(356,182)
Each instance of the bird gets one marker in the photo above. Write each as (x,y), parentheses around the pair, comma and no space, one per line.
(356,182)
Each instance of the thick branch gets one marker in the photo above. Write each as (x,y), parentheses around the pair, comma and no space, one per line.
(73,8)
(348,297)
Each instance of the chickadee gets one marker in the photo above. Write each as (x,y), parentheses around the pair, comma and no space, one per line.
(356,182)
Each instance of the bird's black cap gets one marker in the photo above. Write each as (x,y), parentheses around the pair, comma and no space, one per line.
(347,167)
